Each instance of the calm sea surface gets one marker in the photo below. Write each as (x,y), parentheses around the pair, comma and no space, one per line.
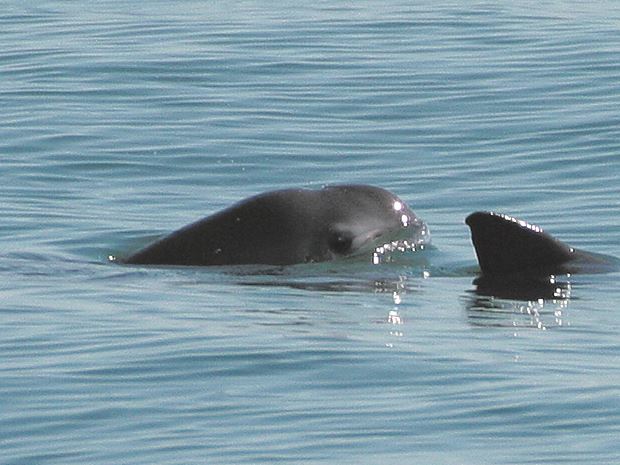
(121,121)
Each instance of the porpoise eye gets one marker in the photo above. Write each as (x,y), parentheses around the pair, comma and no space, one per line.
(340,242)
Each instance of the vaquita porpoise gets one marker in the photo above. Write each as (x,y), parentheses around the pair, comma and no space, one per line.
(292,226)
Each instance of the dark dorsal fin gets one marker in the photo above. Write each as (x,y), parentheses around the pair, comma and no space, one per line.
(505,245)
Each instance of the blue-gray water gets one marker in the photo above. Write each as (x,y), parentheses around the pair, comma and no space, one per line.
(124,120)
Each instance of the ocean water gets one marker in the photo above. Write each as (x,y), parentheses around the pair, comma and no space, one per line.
(122,121)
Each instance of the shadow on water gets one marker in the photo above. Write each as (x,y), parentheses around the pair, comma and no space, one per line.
(499,302)
(355,274)
(518,302)
(522,288)
(339,285)
(393,281)
(536,304)
(503,302)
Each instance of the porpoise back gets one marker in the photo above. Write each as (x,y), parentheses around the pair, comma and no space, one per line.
(289,226)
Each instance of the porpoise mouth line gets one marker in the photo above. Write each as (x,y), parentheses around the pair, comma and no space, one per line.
(399,240)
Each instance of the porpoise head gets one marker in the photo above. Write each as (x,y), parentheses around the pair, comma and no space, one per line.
(292,226)
(356,219)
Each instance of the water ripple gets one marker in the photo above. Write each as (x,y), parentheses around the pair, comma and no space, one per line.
(122,121)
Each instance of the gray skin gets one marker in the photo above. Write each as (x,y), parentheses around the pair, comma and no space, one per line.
(290,226)
(507,246)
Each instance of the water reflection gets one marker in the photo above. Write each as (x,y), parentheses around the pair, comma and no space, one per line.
(394,318)
(396,286)
(501,302)
(532,303)
(523,288)
(400,289)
